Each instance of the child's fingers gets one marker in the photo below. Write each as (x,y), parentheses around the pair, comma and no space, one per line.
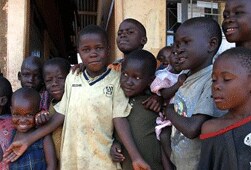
(42,118)
(118,157)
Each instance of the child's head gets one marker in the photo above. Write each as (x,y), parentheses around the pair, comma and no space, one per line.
(24,105)
(231,78)
(137,72)
(163,55)
(236,24)
(196,42)
(131,36)
(93,49)
(55,71)
(5,95)
(31,73)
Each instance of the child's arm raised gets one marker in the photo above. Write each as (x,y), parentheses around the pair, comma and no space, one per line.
(123,129)
(50,154)
(189,126)
(17,148)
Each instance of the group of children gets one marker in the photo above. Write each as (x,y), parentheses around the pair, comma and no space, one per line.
(108,117)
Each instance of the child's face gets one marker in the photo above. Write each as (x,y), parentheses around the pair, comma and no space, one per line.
(192,48)
(231,84)
(133,80)
(236,24)
(163,57)
(31,76)
(23,114)
(93,51)
(129,38)
(54,79)
(174,62)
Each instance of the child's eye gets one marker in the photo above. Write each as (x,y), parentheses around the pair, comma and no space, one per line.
(48,80)
(225,15)
(238,12)
(227,79)
(119,33)
(85,50)
(125,74)
(99,48)
(138,78)
(130,32)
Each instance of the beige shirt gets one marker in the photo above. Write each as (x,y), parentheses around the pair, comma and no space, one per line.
(88,127)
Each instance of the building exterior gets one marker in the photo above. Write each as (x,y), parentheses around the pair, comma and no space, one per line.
(48,28)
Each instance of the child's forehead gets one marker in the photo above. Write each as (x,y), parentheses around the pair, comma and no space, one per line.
(128,25)
(92,37)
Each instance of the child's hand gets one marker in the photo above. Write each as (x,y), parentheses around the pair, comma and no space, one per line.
(78,68)
(154,103)
(115,152)
(182,78)
(42,117)
(140,164)
(15,150)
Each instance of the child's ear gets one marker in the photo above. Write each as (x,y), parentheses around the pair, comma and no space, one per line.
(143,41)
(19,75)
(3,100)
(213,44)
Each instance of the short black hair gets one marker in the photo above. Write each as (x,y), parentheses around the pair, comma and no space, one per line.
(62,63)
(209,25)
(242,54)
(6,90)
(164,48)
(93,29)
(27,94)
(34,60)
(138,24)
(146,58)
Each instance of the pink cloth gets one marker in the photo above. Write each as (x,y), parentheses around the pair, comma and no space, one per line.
(45,99)
(164,79)
(6,129)
(161,123)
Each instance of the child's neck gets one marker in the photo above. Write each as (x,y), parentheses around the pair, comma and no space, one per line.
(21,134)
(172,70)
(244,44)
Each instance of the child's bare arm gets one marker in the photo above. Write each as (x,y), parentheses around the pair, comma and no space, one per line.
(189,126)
(169,92)
(18,147)
(50,153)
(154,103)
(123,129)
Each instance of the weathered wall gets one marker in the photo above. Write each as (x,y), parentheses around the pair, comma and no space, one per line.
(3,34)
(16,38)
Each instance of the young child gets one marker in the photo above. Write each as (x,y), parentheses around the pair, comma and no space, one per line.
(236,24)
(40,155)
(137,73)
(193,104)
(162,57)
(166,84)
(31,76)
(55,71)
(131,36)
(6,126)
(226,141)
(92,105)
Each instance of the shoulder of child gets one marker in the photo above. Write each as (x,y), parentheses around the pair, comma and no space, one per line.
(211,125)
